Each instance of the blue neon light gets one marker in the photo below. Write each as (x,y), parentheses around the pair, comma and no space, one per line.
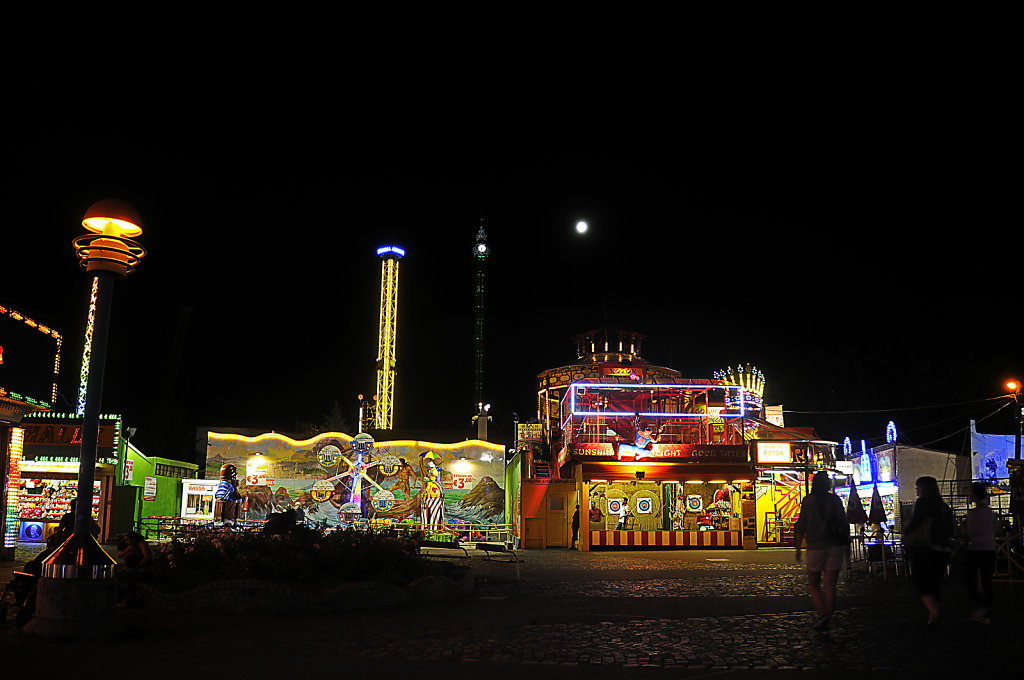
(395,250)
(865,490)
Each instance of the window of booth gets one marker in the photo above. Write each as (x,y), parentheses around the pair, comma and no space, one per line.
(50,499)
(198,505)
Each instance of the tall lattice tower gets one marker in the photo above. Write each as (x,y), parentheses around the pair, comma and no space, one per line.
(386,337)
(480,252)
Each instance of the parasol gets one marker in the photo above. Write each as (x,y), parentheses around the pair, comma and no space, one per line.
(854,510)
(876,515)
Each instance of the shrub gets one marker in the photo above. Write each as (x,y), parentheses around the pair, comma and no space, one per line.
(287,554)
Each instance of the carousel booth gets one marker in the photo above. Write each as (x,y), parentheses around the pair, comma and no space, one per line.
(659,466)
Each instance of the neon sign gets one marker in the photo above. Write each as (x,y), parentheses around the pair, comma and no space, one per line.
(16,447)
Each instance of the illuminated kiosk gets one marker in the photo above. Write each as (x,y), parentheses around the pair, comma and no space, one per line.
(48,473)
(386,335)
(654,460)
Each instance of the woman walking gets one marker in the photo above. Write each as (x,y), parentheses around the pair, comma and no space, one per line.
(823,524)
(929,537)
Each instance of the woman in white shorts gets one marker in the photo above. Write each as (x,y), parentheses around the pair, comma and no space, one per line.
(823,524)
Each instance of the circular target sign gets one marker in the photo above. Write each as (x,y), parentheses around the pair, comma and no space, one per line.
(644,506)
(615,505)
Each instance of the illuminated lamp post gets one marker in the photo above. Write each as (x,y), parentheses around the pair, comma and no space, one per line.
(1016,468)
(77,593)
(1014,387)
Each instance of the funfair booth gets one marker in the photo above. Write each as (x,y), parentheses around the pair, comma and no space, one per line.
(659,465)
(338,480)
(47,473)
(656,460)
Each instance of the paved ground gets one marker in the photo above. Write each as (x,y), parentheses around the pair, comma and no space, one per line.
(606,615)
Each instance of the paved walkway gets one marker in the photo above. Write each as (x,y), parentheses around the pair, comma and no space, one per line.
(606,614)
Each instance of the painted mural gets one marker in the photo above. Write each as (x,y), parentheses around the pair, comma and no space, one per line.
(335,483)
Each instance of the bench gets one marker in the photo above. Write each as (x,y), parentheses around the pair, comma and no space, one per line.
(510,555)
(446,545)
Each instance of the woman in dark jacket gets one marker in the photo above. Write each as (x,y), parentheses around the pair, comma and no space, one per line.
(928,559)
(823,524)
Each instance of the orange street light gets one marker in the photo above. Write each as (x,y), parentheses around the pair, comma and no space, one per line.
(77,592)
(109,246)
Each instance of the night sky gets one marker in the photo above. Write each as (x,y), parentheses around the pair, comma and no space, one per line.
(866,265)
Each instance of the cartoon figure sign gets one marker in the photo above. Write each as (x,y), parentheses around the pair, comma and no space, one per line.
(432,494)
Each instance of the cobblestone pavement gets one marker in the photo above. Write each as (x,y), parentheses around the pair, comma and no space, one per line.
(625,614)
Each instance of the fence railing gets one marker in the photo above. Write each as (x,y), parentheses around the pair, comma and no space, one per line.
(167,528)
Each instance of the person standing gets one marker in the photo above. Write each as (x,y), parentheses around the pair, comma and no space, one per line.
(823,524)
(981,528)
(575,527)
(932,520)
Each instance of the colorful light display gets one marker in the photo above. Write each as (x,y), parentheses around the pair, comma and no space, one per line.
(87,351)
(14,357)
(386,335)
(751,380)
(15,450)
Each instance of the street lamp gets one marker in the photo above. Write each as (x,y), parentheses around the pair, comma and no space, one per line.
(77,593)
(1014,387)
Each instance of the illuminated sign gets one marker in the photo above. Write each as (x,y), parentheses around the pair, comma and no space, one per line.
(13,486)
(774,452)
(66,434)
(256,472)
(391,250)
(709,453)
(461,481)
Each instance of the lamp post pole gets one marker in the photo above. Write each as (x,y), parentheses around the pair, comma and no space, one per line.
(76,594)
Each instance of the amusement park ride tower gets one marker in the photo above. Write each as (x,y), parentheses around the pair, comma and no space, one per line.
(386,336)
(480,253)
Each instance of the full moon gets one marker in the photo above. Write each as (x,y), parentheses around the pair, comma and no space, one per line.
(581,227)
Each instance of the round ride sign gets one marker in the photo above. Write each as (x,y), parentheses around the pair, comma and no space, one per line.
(322,491)
(328,456)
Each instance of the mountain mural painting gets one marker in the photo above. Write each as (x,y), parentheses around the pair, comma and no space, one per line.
(317,474)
